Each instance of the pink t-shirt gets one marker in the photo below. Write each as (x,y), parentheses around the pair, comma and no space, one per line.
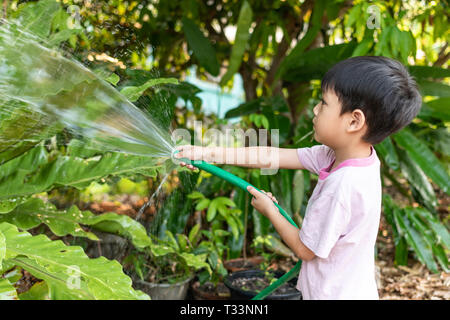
(340,226)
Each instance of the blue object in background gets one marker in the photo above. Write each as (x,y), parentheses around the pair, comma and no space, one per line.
(214,100)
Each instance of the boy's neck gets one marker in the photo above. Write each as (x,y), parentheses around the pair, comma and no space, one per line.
(360,150)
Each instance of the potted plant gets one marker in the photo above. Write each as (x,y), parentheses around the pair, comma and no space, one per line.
(245,284)
(165,268)
(245,263)
(222,214)
(209,286)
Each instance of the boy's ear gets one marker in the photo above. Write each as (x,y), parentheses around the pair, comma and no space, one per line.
(357,120)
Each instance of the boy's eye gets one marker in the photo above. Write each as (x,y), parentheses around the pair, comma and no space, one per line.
(322,101)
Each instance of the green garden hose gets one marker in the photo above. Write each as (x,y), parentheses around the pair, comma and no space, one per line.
(243,185)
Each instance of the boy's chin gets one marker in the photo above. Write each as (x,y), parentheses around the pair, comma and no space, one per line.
(315,136)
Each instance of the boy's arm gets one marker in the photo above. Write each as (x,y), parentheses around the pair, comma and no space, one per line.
(250,157)
(288,232)
(290,235)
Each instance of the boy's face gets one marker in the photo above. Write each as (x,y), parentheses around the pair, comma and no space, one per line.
(329,126)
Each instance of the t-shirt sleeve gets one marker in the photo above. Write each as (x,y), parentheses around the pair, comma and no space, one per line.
(315,157)
(325,221)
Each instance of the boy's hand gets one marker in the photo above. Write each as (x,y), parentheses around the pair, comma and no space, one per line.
(263,201)
(190,152)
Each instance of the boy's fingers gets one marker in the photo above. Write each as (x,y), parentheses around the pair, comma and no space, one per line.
(253,191)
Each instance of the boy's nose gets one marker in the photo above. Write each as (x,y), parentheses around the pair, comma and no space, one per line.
(315,109)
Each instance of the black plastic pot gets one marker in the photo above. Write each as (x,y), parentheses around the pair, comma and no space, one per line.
(239,294)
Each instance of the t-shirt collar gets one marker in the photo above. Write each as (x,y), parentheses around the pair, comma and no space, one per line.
(356,162)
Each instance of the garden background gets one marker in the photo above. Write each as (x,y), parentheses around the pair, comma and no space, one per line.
(238,64)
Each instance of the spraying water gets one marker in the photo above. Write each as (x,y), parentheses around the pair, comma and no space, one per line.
(41,84)
(42,92)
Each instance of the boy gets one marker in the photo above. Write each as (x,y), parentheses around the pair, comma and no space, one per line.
(365,99)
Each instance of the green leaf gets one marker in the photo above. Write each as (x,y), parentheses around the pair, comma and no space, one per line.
(133,93)
(201,47)
(315,24)
(401,252)
(2,249)
(363,47)
(37,17)
(240,42)
(202,204)
(113,79)
(212,210)
(279,247)
(39,291)
(439,229)
(313,64)
(196,261)
(121,225)
(440,108)
(423,227)
(193,234)
(7,291)
(386,150)
(418,180)
(332,9)
(9,204)
(264,122)
(421,72)
(430,88)
(35,172)
(34,211)
(298,190)
(424,157)
(62,36)
(415,240)
(68,272)
(225,201)
(195,195)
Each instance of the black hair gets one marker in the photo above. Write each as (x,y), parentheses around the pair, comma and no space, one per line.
(381,87)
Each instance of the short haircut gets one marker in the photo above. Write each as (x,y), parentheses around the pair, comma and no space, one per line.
(381,87)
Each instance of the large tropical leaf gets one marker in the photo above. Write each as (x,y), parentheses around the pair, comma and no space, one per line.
(37,17)
(133,93)
(422,226)
(314,63)
(417,180)
(438,108)
(35,211)
(35,171)
(68,272)
(201,47)
(240,42)
(314,27)
(415,240)
(431,88)
(387,151)
(424,157)
(7,291)
(39,291)
(421,72)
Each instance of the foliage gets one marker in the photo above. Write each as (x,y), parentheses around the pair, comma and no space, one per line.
(66,270)
(221,213)
(423,232)
(281,49)
(29,170)
(168,260)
